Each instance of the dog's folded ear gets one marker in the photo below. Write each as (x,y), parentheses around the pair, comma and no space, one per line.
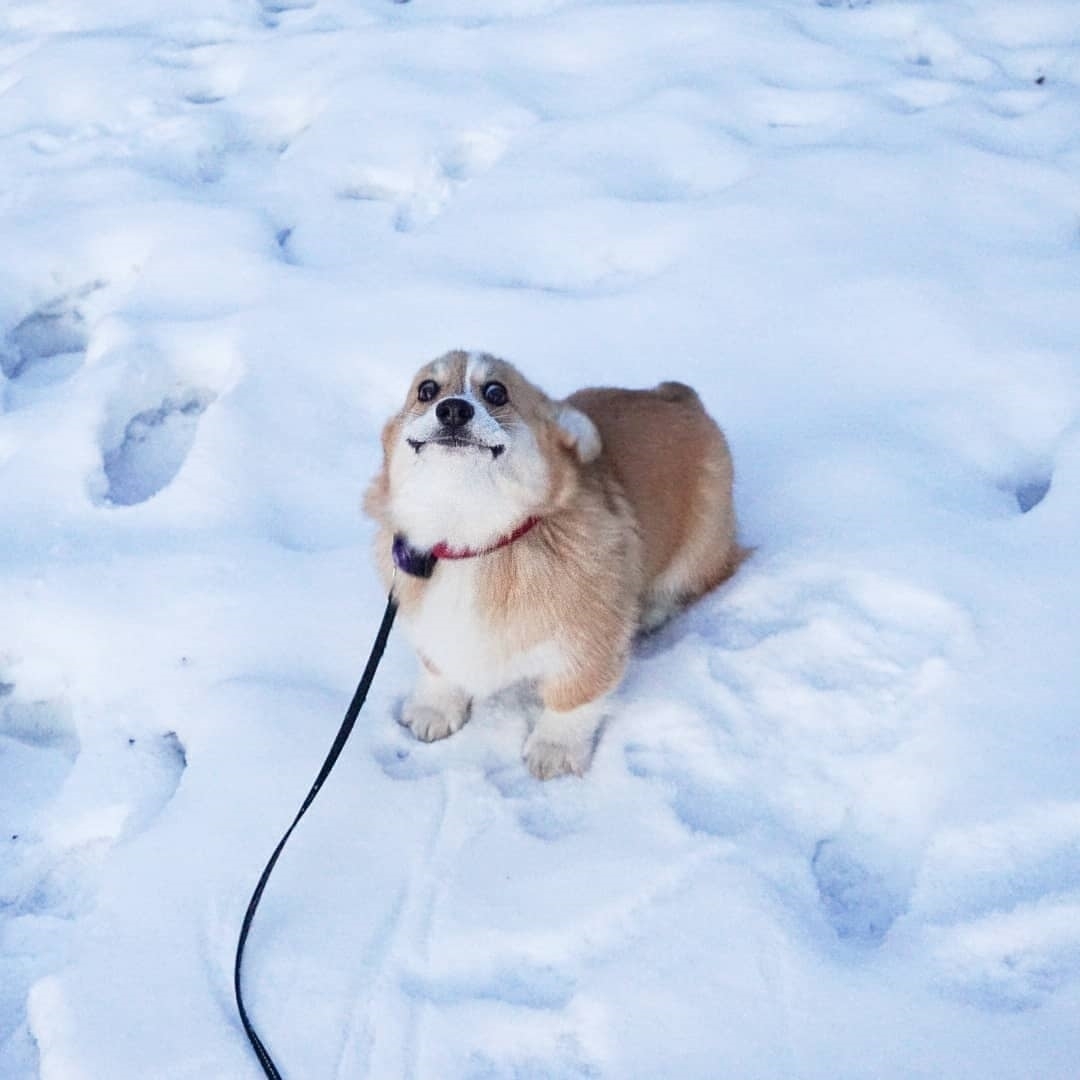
(578,433)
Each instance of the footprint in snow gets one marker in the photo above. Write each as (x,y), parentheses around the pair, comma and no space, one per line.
(38,746)
(153,448)
(699,785)
(862,886)
(48,345)
(1011,961)
(283,239)
(59,806)
(61,811)
(1032,490)
(273,10)
(420,193)
(999,908)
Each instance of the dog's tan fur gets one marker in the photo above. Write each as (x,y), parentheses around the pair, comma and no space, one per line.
(630,530)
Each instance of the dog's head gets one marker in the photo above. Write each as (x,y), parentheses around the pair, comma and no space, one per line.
(474,451)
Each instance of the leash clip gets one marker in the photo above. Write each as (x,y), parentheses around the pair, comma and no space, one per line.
(409,560)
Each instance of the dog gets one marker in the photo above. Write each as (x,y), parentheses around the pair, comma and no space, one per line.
(533,539)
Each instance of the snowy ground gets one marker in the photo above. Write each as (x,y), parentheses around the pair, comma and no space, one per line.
(833,828)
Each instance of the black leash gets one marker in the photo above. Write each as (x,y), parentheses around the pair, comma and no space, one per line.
(377,650)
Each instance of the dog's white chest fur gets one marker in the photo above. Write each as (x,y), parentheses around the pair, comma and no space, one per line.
(454,634)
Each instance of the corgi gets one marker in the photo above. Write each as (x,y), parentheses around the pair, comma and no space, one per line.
(530,540)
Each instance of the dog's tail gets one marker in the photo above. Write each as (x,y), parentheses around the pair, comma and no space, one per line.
(677,391)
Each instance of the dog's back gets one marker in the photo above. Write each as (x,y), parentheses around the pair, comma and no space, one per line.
(674,465)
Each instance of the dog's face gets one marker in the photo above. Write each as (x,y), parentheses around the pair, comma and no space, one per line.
(475,450)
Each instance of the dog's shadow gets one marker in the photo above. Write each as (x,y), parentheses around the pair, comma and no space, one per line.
(652,642)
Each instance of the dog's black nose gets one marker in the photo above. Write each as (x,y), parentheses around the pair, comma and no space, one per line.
(454,412)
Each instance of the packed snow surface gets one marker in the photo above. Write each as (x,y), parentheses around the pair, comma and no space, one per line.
(833,824)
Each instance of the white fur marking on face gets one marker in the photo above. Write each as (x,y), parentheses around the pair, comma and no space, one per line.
(580,433)
(478,369)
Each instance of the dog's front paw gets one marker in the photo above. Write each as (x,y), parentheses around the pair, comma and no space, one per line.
(436,709)
(428,723)
(548,758)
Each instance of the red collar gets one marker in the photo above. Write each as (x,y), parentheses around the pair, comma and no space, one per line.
(443,551)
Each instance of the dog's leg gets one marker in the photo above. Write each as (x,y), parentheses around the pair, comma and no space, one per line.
(657,609)
(563,742)
(436,707)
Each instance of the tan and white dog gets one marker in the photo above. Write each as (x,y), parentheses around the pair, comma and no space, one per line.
(534,538)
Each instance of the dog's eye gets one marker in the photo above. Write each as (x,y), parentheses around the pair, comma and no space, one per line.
(495,394)
(427,390)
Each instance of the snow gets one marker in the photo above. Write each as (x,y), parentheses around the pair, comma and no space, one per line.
(833,824)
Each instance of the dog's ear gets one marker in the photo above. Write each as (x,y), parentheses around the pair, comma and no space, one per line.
(578,433)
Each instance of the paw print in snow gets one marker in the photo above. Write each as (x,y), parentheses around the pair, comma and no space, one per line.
(155,445)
